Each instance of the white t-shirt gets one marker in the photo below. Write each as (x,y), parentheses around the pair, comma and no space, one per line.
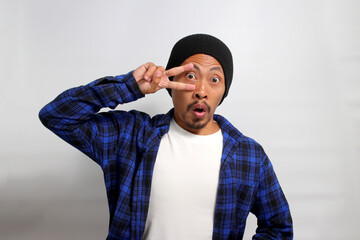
(184,186)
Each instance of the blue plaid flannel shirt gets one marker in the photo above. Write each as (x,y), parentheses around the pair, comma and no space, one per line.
(125,145)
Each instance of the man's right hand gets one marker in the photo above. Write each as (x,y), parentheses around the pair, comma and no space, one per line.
(152,78)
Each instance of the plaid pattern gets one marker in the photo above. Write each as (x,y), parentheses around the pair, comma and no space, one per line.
(125,145)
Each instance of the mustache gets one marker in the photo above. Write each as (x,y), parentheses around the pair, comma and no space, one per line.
(188,108)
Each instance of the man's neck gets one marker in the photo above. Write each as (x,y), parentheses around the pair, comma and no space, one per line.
(210,128)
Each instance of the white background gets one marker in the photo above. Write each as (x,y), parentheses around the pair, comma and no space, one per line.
(296,90)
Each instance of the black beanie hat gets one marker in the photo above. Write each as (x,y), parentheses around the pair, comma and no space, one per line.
(203,44)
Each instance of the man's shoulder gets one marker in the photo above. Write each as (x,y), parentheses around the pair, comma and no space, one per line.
(233,133)
(142,120)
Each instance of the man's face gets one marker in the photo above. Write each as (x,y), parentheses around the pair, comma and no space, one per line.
(194,110)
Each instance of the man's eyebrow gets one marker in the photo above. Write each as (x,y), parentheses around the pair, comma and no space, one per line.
(215,69)
(211,69)
(196,67)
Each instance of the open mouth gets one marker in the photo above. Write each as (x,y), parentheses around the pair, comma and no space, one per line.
(199,110)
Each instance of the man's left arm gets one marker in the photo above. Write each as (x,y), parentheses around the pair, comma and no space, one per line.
(271,207)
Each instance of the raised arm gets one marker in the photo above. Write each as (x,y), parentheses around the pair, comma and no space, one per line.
(73,114)
(74,117)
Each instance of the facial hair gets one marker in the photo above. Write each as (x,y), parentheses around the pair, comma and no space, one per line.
(196,123)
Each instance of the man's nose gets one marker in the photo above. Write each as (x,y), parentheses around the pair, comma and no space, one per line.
(200,90)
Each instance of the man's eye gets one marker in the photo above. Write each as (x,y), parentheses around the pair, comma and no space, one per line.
(190,76)
(215,80)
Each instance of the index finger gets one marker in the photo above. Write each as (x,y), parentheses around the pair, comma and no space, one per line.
(181,86)
(178,70)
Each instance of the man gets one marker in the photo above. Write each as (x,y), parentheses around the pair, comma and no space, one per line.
(187,174)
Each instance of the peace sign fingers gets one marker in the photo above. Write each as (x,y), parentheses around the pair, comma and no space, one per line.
(178,70)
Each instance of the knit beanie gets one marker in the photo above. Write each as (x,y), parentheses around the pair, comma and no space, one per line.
(203,44)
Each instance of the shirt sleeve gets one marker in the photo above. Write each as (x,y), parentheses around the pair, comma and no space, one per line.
(271,207)
(74,117)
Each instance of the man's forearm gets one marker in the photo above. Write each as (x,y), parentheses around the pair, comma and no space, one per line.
(79,104)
